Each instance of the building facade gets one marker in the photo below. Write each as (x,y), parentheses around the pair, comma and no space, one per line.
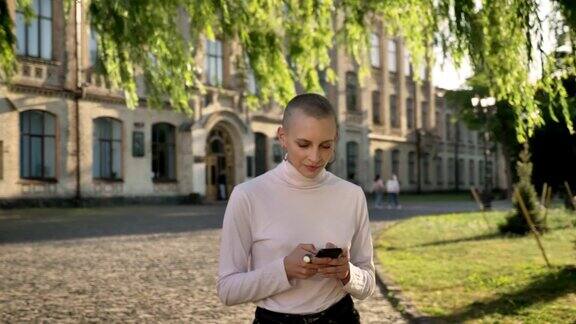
(65,133)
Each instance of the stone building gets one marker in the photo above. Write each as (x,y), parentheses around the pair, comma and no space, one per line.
(66,134)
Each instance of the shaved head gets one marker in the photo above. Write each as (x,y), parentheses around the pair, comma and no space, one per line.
(312,105)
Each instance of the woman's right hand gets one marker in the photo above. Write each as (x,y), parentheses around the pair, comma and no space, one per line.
(295,266)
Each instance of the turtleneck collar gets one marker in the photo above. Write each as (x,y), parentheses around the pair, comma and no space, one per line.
(290,175)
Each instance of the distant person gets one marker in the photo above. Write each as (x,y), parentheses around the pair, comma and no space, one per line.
(393,190)
(222,186)
(378,192)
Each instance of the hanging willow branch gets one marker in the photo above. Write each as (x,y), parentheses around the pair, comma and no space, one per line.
(288,42)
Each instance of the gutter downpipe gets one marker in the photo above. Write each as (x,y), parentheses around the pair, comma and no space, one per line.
(78,93)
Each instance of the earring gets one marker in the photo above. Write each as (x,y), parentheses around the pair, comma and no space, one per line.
(286,156)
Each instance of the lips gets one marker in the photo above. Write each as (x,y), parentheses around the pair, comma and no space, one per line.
(312,168)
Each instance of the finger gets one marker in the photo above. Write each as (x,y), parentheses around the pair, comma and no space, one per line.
(307,247)
(332,275)
(312,266)
(338,262)
(322,261)
(308,272)
(328,270)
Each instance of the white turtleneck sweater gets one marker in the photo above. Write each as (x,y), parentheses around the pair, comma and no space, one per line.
(267,217)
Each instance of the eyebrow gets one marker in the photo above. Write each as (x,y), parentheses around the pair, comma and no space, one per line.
(307,141)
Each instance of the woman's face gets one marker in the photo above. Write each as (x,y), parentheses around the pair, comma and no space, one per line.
(309,141)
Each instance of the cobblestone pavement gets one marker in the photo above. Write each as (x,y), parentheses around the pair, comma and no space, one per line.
(125,264)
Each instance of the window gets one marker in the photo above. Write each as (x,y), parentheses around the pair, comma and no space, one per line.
(352,160)
(378,157)
(214,61)
(448,128)
(392,60)
(489,172)
(137,144)
(481,175)
(439,173)
(394,119)
(410,113)
(464,133)
(396,163)
(34,39)
(37,145)
(260,153)
(426,167)
(424,109)
(406,62)
(163,151)
(375,50)
(93,48)
(376,116)
(251,85)
(451,171)
(471,173)
(460,171)
(412,167)
(107,149)
(351,91)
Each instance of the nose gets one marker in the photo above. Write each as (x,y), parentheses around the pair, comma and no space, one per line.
(315,155)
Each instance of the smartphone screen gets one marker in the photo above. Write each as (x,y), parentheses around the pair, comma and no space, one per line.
(333,253)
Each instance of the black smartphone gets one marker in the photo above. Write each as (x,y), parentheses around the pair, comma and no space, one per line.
(332,253)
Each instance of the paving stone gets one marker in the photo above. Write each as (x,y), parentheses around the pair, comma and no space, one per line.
(129,264)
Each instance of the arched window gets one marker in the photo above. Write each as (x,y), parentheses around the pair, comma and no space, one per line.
(107,149)
(260,158)
(352,160)
(378,157)
(163,151)
(37,145)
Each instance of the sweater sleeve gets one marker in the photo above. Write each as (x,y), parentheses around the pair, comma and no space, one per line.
(236,284)
(362,279)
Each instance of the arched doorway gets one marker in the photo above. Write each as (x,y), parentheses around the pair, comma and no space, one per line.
(219,163)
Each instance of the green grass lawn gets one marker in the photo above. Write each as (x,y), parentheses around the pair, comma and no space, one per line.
(457,268)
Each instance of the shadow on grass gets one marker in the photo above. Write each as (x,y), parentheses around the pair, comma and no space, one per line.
(445,242)
(545,289)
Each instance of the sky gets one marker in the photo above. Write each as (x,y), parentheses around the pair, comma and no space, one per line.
(446,75)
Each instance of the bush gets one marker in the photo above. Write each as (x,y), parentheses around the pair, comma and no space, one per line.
(516,222)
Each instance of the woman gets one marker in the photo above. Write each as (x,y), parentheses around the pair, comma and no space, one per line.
(275,224)
(378,191)
(393,189)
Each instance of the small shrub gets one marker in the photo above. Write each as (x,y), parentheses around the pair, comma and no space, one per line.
(516,222)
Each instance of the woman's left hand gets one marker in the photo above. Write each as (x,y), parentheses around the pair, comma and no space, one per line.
(336,268)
